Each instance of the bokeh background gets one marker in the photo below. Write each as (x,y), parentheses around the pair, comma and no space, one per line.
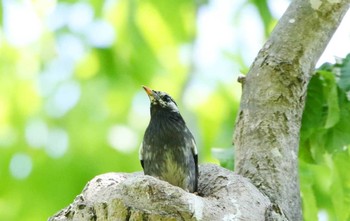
(71,102)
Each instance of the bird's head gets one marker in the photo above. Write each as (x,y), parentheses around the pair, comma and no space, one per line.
(161,99)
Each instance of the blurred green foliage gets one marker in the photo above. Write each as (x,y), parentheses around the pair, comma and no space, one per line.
(324,143)
(71,102)
(72,107)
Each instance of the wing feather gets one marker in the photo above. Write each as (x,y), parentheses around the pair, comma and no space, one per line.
(140,155)
(195,157)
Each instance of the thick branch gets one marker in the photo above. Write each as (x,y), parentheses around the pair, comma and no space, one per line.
(267,130)
(121,196)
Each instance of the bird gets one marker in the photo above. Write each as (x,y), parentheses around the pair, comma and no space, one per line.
(168,150)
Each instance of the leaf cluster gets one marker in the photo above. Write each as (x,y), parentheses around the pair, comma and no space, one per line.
(324,143)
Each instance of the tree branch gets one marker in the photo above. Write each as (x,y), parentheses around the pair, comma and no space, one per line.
(122,196)
(267,129)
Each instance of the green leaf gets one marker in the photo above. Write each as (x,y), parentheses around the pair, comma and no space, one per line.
(317,149)
(342,164)
(310,209)
(344,79)
(325,180)
(314,113)
(326,67)
(330,91)
(333,115)
(336,190)
(338,136)
(326,114)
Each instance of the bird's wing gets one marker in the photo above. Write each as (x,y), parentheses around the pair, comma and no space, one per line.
(194,147)
(140,154)
(195,157)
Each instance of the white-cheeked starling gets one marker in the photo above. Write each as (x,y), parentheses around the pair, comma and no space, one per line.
(168,150)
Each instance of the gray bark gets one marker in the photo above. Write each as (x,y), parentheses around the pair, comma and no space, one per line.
(224,195)
(267,128)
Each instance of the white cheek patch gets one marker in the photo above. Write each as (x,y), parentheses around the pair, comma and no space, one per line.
(162,103)
(173,107)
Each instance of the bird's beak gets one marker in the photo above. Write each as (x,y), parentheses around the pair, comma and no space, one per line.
(152,96)
(148,90)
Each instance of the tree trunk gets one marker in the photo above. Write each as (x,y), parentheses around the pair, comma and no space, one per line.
(267,129)
(266,140)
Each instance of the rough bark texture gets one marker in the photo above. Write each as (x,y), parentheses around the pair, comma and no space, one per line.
(223,195)
(267,129)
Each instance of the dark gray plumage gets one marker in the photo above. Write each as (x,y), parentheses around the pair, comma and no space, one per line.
(168,150)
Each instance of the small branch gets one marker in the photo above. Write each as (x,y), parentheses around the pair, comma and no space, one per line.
(241,79)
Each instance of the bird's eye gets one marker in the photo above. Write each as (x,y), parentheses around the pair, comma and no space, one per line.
(166,98)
